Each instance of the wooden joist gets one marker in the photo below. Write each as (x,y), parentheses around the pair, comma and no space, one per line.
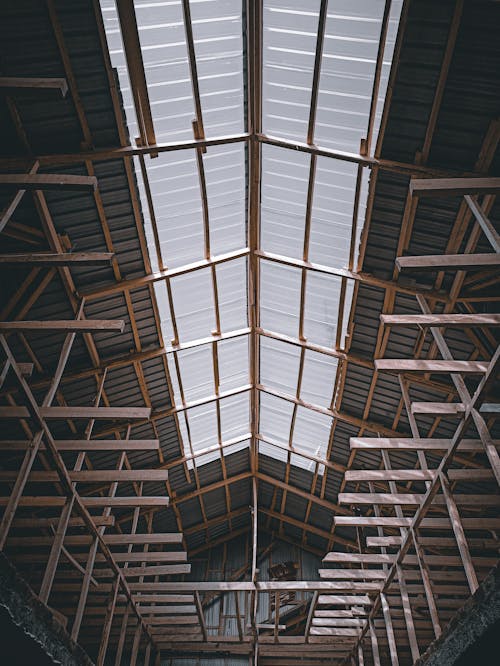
(410,499)
(90,502)
(451,262)
(446,320)
(411,444)
(433,542)
(87,445)
(110,539)
(127,413)
(449,187)
(427,523)
(94,476)
(58,259)
(77,325)
(416,475)
(382,558)
(34,83)
(48,181)
(434,366)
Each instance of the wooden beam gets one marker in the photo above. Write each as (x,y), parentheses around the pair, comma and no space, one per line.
(79,326)
(91,502)
(427,523)
(442,262)
(61,259)
(433,366)
(127,413)
(94,476)
(446,320)
(361,476)
(48,181)
(87,445)
(34,83)
(410,444)
(450,187)
(410,499)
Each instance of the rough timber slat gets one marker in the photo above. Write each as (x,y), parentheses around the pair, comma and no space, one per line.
(449,187)
(422,365)
(409,499)
(438,262)
(95,476)
(78,412)
(48,181)
(87,445)
(34,83)
(91,502)
(59,259)
(80,326)
(447,320)
(410,444)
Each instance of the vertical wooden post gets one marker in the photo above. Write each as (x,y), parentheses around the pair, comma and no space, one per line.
(110,611)
(410,627)
(458,530)
(374,642)
(426,579)
(389,630)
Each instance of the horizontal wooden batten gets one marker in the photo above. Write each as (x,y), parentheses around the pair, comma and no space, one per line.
(449,187)
(90,502)
(48,181)
(410,444)
(427,523)
(94,476)
(433,542)
(447,320)
(416,475)
(58,259)
(383,558)
(78,412)
(87,445)
(79,326)
(34,83)
(410,499)
(423,365)
(451,262)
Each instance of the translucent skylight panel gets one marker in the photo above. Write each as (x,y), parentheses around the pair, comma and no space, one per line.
(321,308)
(224,168)
(203,426)
(163,309)
(275,417)
(311,432)
(279,365)
(196,367)
(218,41)
(193,302)
(232,293)
(279,298)
(175,188)
(165,57)
(318,378)
(233,363)
(347,70)
(235,415)
(271,451)
(285,178)
(332,209)
(289,47)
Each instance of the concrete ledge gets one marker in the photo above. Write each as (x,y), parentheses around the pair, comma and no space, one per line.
(473,620)
(35,620)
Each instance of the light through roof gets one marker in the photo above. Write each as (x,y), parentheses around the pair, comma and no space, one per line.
(307,211)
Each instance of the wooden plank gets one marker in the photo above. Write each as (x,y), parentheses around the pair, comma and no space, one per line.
(91,502)
(416,475)
(433,542)
(87,445)
(428,523)
(127,413)
(485,223)
(449,187)
(434,366)
(352,574)
(389,630)
(410,499)
(410,444)
(442,262)
(80,325)
(94,476)
(58,259)
(343,600)
(34,83)
(446,320)
(48,181)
